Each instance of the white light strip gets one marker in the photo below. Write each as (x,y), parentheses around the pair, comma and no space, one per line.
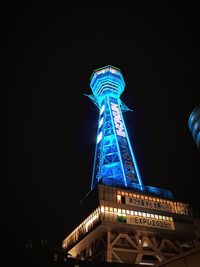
(99,137)
(101,122)
(102,109)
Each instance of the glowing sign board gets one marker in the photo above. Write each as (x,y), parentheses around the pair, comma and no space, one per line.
(152,203)
(155,223)
(123,145)
(106,70)
(137,217)
(117,120)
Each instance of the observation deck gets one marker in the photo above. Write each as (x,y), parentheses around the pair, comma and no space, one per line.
(106,81)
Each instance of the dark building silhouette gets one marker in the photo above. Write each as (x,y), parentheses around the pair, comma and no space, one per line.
(194,125)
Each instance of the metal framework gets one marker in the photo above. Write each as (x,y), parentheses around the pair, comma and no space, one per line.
(127,221)
(114,162)
(127,248)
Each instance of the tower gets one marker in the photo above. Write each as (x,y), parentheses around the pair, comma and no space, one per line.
(114,162)
(121,219)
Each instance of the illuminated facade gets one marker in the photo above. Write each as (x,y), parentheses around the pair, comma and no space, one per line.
(121,219)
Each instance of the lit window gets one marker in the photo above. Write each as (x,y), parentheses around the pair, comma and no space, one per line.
(99,137)
(119,201)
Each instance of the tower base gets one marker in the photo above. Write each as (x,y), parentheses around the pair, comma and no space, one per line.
(124,226)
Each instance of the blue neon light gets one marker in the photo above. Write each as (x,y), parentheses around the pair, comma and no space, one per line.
(114,160)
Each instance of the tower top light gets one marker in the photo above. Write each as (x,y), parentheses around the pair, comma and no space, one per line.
(106,81)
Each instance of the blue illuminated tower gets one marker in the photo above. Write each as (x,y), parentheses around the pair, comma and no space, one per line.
(120,219)
(114,162)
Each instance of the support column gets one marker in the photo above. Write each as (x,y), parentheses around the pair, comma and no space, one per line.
(109,248)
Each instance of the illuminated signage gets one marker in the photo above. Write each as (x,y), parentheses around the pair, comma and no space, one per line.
(170,206)
(117,120)
(147,203)
(127,159)
(151,203)
(105,70)
(155,223)
(138,218)
(123,145)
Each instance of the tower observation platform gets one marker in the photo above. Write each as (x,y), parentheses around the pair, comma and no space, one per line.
(120,219)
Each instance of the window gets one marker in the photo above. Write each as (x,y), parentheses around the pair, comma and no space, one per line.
(123,199)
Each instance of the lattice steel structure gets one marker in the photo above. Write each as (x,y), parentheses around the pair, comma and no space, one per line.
(114,162)
(122,220)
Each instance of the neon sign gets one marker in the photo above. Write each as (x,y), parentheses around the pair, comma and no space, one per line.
(157,223)
(117,120)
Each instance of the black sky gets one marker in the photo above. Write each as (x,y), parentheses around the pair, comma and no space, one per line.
(49,126)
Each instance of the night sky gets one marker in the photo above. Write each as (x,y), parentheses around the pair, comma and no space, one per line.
(49,126)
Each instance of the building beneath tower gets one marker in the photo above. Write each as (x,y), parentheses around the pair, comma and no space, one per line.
(121,219)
